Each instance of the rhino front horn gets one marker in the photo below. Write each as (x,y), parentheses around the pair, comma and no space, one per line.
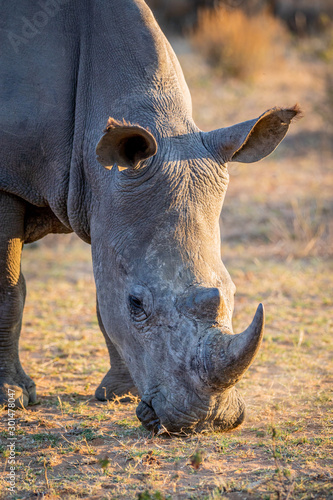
(227,357)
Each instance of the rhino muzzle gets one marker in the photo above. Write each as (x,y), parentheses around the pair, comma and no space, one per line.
(224,412)
(220,361)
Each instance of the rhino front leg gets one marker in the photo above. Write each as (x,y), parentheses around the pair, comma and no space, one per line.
(118,380)
(13,380)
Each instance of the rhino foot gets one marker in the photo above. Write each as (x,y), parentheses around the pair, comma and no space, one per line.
(114,385)
(22,392)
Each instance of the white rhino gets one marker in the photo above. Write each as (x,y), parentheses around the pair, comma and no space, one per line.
(165,300)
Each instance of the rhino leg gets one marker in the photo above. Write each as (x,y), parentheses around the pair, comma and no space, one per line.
(13,379)
(118,380)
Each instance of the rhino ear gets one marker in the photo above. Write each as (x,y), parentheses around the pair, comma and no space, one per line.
(252,140)
(125,145)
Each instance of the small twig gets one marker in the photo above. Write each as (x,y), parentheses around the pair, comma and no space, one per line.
(49,362)
(277,465)
(6,461)
(260,483)
(22,407)
(45,472)
(90,450)
(119,442)
(72,463)
(162,430)
(66,439)
(290,490)
(300,338)
(60,404)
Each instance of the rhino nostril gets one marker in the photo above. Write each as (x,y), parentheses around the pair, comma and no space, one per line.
(148,417)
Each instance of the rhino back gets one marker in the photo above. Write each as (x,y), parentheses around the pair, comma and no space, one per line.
(38,78)
(60,82)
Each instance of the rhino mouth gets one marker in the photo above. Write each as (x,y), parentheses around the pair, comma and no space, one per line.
(160,415)
(166,418)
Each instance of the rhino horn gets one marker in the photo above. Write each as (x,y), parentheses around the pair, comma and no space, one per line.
(125,144)
(227,357)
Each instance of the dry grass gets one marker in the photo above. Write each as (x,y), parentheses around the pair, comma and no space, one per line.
(237,45)
(328,105)
(305,231)
(322,48)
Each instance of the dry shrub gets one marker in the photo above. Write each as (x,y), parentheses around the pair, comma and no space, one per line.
(325,53)
(237,45)
(327,108)
(306,230)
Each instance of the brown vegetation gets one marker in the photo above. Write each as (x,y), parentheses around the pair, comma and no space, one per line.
(237,45)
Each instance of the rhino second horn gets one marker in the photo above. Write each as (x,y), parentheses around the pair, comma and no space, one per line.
(227,357)
(203,303)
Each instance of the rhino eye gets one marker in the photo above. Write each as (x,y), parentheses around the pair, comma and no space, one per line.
(135,302)
(140,302)
(136,307)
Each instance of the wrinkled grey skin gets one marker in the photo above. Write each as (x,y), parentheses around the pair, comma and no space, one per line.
(165,299)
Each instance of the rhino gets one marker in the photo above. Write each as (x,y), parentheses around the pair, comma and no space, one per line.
(97,138)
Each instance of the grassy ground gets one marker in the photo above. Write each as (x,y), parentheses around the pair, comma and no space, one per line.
(277,246)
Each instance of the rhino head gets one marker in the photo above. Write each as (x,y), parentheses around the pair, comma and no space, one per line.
(165,298)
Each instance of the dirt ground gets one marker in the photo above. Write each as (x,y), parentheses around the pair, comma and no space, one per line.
(277,240)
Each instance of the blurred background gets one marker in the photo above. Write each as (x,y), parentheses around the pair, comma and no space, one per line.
(301,16)
(241,57)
